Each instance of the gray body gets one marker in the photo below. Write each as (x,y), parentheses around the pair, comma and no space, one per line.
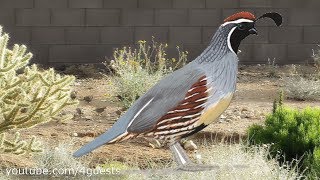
(217,62)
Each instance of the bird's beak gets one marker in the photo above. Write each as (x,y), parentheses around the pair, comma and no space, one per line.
(253,31)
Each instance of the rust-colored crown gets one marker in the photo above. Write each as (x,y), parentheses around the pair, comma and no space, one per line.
(241,15)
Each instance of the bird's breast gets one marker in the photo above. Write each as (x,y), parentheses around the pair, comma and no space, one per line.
(212,113)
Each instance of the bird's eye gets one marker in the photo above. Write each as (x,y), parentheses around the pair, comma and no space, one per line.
(241,27)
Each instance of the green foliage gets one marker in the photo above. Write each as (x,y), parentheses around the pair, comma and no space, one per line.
(137,70)
(294,133)
(17,146)
(28,96)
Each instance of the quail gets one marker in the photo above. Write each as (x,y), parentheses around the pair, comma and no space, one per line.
(189,99)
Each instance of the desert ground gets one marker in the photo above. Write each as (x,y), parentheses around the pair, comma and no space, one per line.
(256,91)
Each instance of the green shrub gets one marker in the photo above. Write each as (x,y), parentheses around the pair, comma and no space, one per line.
(293,133)
(137,70)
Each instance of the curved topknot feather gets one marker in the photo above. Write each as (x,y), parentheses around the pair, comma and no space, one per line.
(240,15)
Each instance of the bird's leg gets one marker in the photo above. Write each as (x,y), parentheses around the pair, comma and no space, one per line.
(184,163)
(180,155)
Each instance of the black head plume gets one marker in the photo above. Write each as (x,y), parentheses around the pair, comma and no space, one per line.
(276,17)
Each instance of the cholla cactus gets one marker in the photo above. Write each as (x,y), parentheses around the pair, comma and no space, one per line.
(17,146)
(31,97)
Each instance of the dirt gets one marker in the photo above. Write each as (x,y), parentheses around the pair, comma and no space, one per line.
(255,93)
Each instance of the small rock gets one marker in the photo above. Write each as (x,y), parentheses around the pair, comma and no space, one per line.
(63,113)
(190,145)
(88,117)
(237,113)
(198,156)
(228,120)
(88,99)
(223,117)
(233,117)
(24,110)
(238,118)
(75,134)
(244,109)
(118,112)
(54,134)
(100,110)
(73,95)
(86,134)
(79,111)
(249,115)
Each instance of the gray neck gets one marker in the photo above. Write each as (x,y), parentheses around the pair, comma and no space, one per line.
(218,46)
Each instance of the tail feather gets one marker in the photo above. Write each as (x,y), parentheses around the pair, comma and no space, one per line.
(104,138)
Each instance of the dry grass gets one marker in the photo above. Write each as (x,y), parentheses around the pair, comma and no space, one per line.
(236,161)
(316,58)
(58,157)
(300,88)
(137,70)
(304,84)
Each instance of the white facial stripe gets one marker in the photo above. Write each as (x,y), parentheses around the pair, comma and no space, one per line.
(229,39)
(237,21)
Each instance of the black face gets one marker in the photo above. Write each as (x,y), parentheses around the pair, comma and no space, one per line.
(246,28)
(242,31)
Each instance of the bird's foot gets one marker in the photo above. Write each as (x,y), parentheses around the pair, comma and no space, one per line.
(197,167)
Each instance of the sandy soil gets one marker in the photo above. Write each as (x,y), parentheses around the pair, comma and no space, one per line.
(252,101)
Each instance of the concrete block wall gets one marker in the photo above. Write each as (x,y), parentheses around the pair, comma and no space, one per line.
(87,31)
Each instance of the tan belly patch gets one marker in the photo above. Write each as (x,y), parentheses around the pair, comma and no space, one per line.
(215,110)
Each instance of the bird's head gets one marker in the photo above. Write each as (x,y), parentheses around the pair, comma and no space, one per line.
(240,25)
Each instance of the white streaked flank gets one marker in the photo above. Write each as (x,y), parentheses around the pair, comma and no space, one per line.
(191,116)
(196,93)
(137,114)
(202,99)
(166,120)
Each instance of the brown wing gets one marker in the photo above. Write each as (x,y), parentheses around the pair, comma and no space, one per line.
(181,119)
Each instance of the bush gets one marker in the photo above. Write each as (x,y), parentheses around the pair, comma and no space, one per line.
(59,157)
(137,70)
(316,58)
(28,96)
(300,88)
(293,133)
